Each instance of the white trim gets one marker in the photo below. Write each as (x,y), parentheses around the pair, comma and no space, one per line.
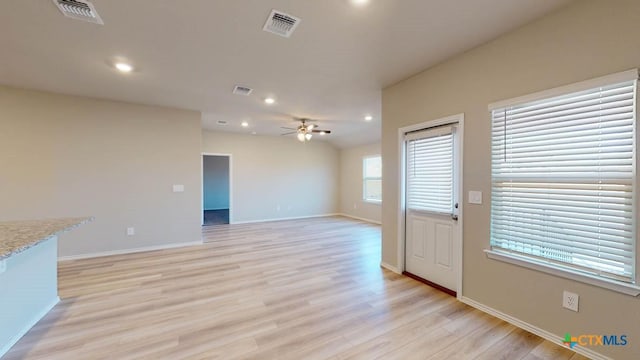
(285,218)
(360,218)
(373,202)
(453,119)
(390,267)
(28,327)
(567,273)
(533,329)
(129,251)
(567,89)
(230,156)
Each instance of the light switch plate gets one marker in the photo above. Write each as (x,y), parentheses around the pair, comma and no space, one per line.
(475,197)
(178,188)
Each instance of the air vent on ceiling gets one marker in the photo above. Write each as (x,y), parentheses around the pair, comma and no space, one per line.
(222,122)
(281,24)
(79,9)
(242,90)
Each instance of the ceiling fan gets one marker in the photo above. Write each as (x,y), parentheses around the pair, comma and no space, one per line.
(305,131)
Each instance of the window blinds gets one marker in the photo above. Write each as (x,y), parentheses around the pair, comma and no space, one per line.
(430,170)
(563,178)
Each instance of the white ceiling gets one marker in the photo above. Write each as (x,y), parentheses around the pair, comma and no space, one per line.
(190,53)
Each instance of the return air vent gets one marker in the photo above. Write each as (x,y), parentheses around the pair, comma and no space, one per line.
(79,9)
(242,90)
(281,24)
(222,122)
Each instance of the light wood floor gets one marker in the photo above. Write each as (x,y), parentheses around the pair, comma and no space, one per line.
(305,289)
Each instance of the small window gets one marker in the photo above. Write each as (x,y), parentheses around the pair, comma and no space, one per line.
(372,176)
(563,179)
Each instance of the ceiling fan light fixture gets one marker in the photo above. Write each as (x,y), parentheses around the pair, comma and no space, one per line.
(307,136)
(301,137)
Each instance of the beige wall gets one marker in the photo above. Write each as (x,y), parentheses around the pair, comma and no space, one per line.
(589,38)
(277,177)
(351,183)
(72,156)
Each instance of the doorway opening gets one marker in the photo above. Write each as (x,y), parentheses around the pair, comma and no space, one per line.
(430,246)
(216,189)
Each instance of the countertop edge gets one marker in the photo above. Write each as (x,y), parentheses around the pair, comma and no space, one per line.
(69,224)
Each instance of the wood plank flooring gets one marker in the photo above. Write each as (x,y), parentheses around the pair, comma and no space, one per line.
(303,289)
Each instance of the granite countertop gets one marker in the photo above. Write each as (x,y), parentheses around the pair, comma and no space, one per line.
(18,236)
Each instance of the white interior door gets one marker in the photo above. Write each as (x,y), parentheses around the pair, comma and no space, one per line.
(431,228)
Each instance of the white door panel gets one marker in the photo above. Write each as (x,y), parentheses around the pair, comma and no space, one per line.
(429,252)
(443,245)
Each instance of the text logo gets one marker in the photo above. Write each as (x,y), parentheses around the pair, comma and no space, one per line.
(594,340)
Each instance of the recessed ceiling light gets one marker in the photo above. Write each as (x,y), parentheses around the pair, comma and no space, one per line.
(368,118)
(123,67)
(359,2)
(244,124)
(269,100)
(253,133)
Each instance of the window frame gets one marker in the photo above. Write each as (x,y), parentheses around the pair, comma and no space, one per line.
(366,178)
(568,271)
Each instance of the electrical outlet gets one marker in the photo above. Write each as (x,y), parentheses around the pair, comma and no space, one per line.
(570,301)
(131,231)
(355,205)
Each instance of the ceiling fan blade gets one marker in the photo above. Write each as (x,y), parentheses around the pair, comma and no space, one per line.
(288,133)
(321,131)
(288,128)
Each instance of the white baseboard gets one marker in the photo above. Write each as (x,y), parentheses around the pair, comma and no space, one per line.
(390,267)
(533,329)
(129,251)
(6,347)
(361,218)
(285,218)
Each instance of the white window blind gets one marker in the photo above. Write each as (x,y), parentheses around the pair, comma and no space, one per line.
(563,180)
(430,170)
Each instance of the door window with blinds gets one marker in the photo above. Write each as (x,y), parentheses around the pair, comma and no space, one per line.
(563,167)
(430,170)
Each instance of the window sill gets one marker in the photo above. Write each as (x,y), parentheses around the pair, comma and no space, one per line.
(375,202)
(621,287)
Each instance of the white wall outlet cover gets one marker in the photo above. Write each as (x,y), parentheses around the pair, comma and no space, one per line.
(475,197)
(178,188)
(131,231)
(570,300)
